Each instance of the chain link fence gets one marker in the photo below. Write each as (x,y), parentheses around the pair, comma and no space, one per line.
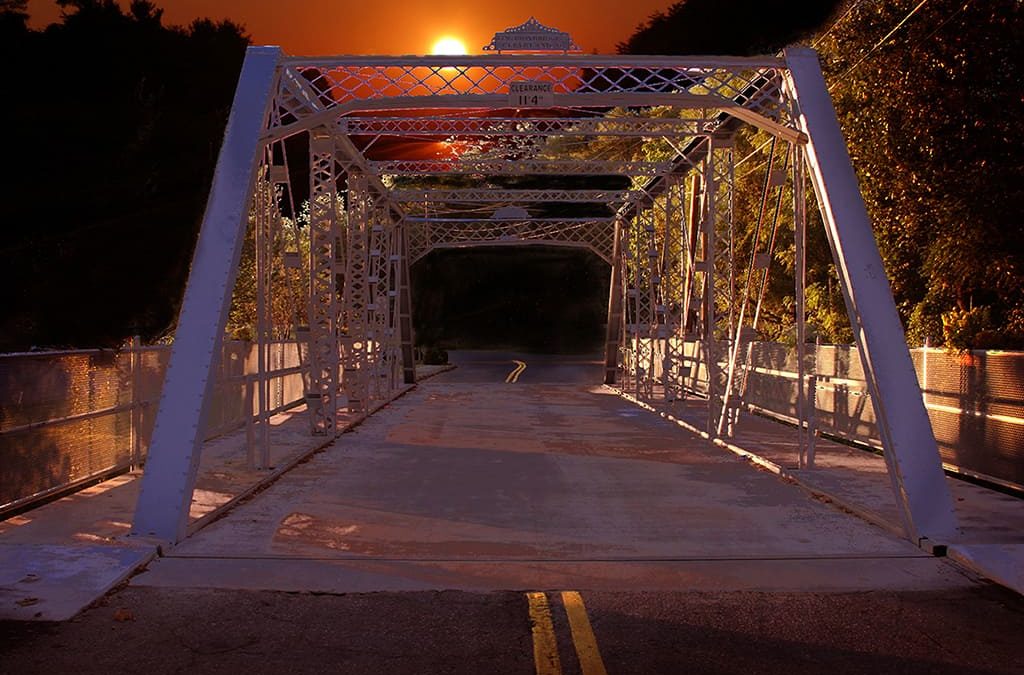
(67,418)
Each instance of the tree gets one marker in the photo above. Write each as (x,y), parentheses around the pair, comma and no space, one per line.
(930,116)
(119,120)
(13,18)
(736,27)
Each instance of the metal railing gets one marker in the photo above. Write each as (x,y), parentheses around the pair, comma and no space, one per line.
(72,417)
(975,400)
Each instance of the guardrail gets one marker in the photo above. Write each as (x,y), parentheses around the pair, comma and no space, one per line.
(71,417)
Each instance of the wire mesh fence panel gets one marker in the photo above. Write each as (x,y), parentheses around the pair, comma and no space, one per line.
(844,406)
(148,378)
(976,404)
(63,419)
(68,417)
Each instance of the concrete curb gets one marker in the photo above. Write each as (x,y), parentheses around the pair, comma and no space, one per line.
(55,582)
(443,369)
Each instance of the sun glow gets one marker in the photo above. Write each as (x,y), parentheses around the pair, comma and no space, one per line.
(449,46)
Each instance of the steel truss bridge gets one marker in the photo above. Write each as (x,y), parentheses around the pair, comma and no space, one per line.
(686,294)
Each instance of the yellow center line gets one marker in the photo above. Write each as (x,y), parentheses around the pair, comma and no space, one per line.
(545,648)
(516,372)
(582,635)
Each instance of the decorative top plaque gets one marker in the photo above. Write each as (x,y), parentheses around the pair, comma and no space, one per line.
(532,36)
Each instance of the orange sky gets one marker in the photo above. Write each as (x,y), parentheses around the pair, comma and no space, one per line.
(365,27)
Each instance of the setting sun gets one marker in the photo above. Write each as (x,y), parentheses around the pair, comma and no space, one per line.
(449,46)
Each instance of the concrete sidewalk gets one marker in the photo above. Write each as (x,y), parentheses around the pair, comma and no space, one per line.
(991,540)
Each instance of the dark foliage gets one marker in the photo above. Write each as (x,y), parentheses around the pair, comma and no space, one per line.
(932,116)
(736,27)
(117,122)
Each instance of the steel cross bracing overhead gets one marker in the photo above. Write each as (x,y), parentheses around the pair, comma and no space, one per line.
(553,167)
(533,126)
(492,195)
(410,154)
(429,234)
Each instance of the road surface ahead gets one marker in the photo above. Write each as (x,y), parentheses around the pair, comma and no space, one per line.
(513,516)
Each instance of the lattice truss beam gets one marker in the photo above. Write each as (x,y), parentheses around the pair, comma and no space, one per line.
(377,102)
(311,89)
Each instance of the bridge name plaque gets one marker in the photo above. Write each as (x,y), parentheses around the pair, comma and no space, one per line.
(532,36)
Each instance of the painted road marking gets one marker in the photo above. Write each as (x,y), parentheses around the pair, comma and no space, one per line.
(545,646)
(516,372)
(545,649)
(583,635)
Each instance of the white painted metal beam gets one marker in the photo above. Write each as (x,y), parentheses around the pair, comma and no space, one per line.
(434,125)
(909,445)
(499,195)
(163,505)
(698,64)
(582,167)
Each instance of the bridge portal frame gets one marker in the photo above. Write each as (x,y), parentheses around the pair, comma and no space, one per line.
(360,329)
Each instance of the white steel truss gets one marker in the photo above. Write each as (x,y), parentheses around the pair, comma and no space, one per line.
(533,126)
(325,251)
(685,295)
(497,195)
(554,167)
(433,233)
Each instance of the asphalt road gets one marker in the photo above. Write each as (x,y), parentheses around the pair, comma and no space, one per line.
(493,367)
(146,630)
(505,518)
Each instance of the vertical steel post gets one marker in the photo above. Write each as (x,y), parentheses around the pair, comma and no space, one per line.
(613,328)
(323,283)
(355,299)
(910,450)
(799,290)
(670,290)
(692,234)
(405,328)
(631,314)
(250,433)
(924,373)
(162,509)
(261,205)
(135,362)
(708,236)
(812,406)
(648,302)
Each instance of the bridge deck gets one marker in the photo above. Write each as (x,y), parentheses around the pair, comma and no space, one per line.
(476,483)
